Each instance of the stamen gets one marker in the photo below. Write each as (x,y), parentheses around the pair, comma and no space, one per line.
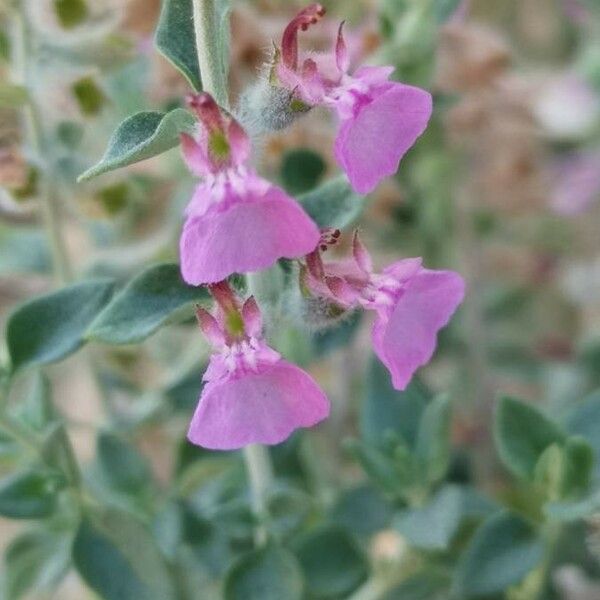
(289,41)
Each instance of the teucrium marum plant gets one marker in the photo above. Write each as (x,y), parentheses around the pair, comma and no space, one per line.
(253,264)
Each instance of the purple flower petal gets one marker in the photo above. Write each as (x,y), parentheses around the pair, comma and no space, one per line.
(405,338)
(244,235)
(257,408)
(369,145)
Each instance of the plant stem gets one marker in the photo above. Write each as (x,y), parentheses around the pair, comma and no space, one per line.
(260,474)
(214,81)
(48,200)
(207,29)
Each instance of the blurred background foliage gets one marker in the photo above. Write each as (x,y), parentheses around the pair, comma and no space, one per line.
(481,480)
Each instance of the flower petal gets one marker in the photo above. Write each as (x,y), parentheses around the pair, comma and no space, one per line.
(245,235)
(405,339)
(369,146)
(257,408)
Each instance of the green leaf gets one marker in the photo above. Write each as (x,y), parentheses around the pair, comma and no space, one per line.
(333,204)
(141,136)
(49,328)
(432,450)
(89,96)
(522,433)
(388,410)
(176,41)
(333,564)
(37,411)
(426,585)
(35,561)
(362,510)
(573,510)
(122,466)
(301,170)
(584,420)
(29,494)
(144,305)
(70,13)
(434,526)
(270,573)
(12,96)
(118,558)
(502,552)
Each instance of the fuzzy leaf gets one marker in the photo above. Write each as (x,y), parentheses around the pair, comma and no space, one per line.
(118,558)
(141,136)
(333,564)
(29,494)
(49,328)
(144,305)
(522,433)
(333,204)
(270,573)
(434,525)
(386,409)
(432,450)
(502,552)
(35,561)
(176,41)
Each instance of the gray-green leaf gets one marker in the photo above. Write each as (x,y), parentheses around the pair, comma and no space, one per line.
(51,327)
(29,494)
(432,450)
(502,552)
(333,564)
(434,525)
(141,136)
(388,410)
(176,41)
(144,305)
(35,561)
(270,573)
(522,433)
(118,558)
(333,204)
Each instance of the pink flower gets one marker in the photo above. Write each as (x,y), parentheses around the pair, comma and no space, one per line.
(236,221)
(251,395)
(380,120)
(411,304)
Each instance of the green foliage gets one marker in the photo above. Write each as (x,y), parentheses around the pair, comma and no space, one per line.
(333,204)
(522,434)
(387,410)
(71,13)
(301,170)
(122,465)
(89,96)
(29,494)
(35,561)
(141,136)
(118,558)
(51,327)
(435,525)
(502,552)
(432,451)
(270,573)
(332,562)
(176,41)
(145,304)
